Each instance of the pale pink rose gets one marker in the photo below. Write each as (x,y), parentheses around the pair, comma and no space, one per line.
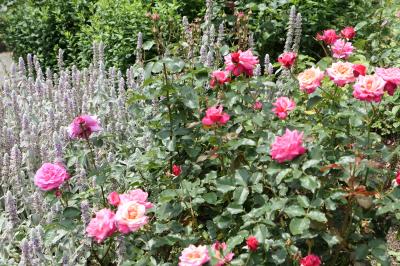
(310,260)
(215,115)
(136,195)
(348,33)
(369,88)
(113,198)
(391,76)
(288,146)
(241,62)
(287,59)
(130,216)
(310,79)
(341,73)
(219,250)
(194,256)
(342,49)
(83,126)
(282,106)
(257,106)
(101,226)
(50,176)
(219,77)
(329,36)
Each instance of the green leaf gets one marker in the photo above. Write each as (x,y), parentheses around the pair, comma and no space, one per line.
(294,210)
(242,177)
(310,182)
(234,208)
(210,198)
(147,45)
(71,212)
(240,195)
(297,226)
(310,163)
(225,185)
(234,241)
(282,175)
(317,216)
(330,239)
(303,201)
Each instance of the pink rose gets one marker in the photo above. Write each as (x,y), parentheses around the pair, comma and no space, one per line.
(310,79)
(240,62)
(342,49)
(328,37)
(348,33)
(310,260)
(341,73)
(369,88)
(219,250)
(113,198)
(130,216)
(50,176)
(359,69)
(83,126)
(176,170)
(391,76)
(215,115)
(102,226)
(194,256)
(397,180)
(287,59)
(136,195)
(257,106)
(219,77)
(288,146)
(282,106)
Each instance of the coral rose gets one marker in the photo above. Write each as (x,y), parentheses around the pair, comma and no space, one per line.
(310,260)
(359,70)
(215,115)
(369,88)
(328,37)
(252,243)
(130,216)
(342,49)
(288,146)
(241,62)
(341,73)
(287,59)
(219,77)
(50,176)
(348,33)
(176,170)
(310,79)
(83,126)
(219,249)
(113,198)
(194,256)
(138,196)
(282,106)
(101,226)
(391,76)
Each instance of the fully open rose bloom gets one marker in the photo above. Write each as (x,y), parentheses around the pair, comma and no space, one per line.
(288,146)
(342,49)
(194,256)
(50,176)
(328,37)
(219,249)
(310,260)
(130,216)
(215,115)
(241,62)
(136,195)
(369,88)
(341,73)
(391,76)
(348,33)
(219,77)
(282,106)
(310,79)
(102,226)
(287,59)
(83,126)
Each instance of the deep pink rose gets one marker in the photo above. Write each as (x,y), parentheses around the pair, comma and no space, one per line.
(328,37)
(257,106)
(391,76)
(341,73)
(101,226)
(310,260)
(288,146)
(359,70)
(348,33)
(83,126)
(241,62)
(50,176)
(398,178)
(219,77)
(310,79)
(215,115)
(252,243)
(219,250)
(136,195)
(176,170)
(342,49)
(369,88)
(130,216)
(287,59)
(113,198)
(282,106)
(194,256)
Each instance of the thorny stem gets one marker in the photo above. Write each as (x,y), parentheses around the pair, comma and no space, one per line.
(171,132)
(368,142)
(105,254)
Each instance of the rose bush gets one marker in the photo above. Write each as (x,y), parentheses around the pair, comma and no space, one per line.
(179,166)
